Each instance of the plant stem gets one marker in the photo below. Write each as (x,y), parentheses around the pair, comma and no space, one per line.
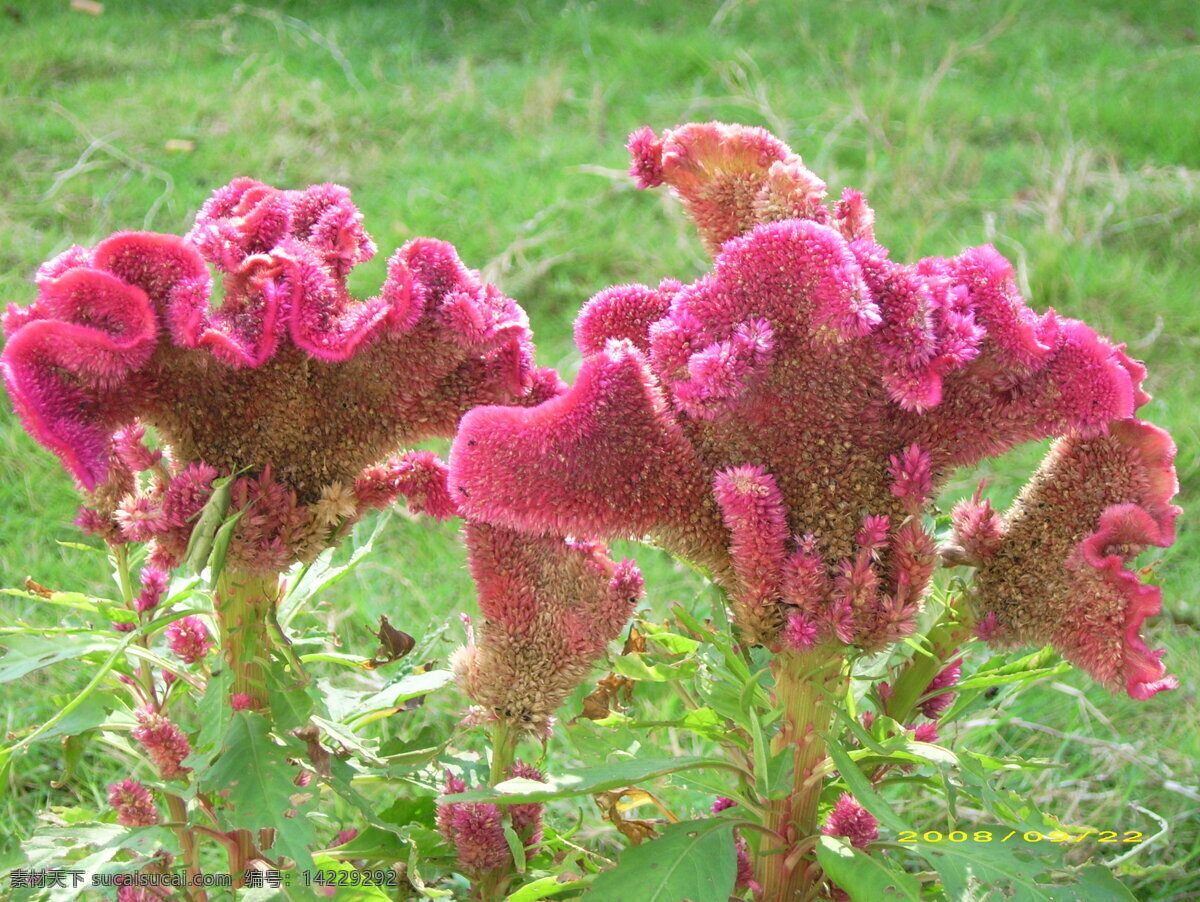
(187,843)
(504,750)
(244,604)
(804,687)
(493,884)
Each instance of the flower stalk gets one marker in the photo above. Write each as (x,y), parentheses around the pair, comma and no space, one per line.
(805,686)
(244,611)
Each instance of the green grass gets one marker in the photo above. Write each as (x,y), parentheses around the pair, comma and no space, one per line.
(1064,133)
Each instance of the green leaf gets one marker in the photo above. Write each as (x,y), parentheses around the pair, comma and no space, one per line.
(410,686)
(30,652)
(860,788)
(692,860)
(214,713)
(636,668)
(612,775)
(253,777)
(867,878)
(673,643)
(1009,869)
(344,893)
(546,887)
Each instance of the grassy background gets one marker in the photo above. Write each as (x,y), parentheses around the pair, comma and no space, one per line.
(1066,134)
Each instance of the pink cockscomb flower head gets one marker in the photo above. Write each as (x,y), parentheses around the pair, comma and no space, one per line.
(240,701)
(1059,572)
(163,742)
(133,803)
(786,420)
(550,607)
(289,382)
(188,638)
(853,821)
(476,829)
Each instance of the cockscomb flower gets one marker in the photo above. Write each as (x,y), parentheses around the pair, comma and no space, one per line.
(786,420)
(1058,572)
(163,742)
(550,607)
(851,820)
(289,382)
(133,803)
(476,829)
(188,638)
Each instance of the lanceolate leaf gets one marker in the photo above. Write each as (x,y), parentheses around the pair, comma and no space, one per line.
(867,878)
(693,860)
(613,775)
(27,653)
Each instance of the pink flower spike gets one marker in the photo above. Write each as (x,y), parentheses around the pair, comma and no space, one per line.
(851,820)
(800,632)
(188,638)
(937,699)
(925,732)
(240,701)
(753,511)
(646,150)
(163,742)
(154,586)
(978,530)
(874,533)
(912,477)
(133,803)
(550,607)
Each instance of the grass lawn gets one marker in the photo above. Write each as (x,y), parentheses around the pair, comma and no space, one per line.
(1066,134)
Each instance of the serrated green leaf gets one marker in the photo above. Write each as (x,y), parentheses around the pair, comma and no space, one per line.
(252,775)
(586,781)
(693,860)
(866,878)
(1009,869)
(214,713)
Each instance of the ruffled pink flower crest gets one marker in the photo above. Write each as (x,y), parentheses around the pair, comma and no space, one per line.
(288,370)
(768,419)
(1057,573)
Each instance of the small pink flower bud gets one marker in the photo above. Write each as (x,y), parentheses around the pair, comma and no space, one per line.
(935,706)
(851,820)
(154,585)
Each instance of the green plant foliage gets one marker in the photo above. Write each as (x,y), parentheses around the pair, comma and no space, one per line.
(691,860)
